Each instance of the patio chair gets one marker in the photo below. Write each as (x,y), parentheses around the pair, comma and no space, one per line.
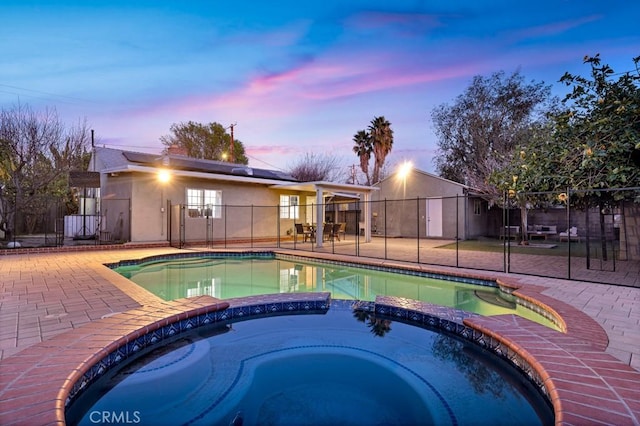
(510,232)
(339,229)
(570,234)
(327,232)
(306,232)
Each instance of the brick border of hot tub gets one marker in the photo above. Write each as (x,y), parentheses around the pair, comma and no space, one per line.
(44,379)
(584,384)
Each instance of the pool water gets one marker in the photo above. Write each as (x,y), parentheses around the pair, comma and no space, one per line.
(316,370)
(227,278)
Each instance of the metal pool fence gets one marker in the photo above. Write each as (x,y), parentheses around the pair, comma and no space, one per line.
(560,235)
(572,235)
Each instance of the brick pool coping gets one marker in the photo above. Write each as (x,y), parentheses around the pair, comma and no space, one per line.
(585,385)
(40,379)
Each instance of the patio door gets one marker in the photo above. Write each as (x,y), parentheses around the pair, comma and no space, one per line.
(434,217)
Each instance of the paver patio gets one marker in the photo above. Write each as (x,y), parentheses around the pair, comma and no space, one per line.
(47,294)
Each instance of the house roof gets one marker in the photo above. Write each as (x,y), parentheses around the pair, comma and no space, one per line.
(114,160)
(468,189)
(431,175)
(119,161)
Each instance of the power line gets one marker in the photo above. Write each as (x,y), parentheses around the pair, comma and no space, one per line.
(126,146)
(71,99)
(264,162)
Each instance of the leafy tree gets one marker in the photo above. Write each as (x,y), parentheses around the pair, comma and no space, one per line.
(208,141)
(363,149)
(315,167)
(36,154)
(591,139)
(524,176)
(377,139)
(596,134)
(479,133)
(588,145)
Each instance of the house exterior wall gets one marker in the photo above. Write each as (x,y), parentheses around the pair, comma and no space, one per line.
(248,209)
(399,208)
(148,208)
(115,205)
(478,217)
(132,205)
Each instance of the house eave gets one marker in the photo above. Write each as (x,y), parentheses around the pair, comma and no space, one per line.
(342,189)
(131,168)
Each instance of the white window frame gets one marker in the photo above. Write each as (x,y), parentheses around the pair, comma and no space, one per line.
(200,200)
(289,206)
(477,207)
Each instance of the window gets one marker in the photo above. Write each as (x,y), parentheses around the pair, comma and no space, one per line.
(204,202)
(477,207)
(289,207)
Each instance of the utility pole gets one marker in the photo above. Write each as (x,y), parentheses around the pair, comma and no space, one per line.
(231,156)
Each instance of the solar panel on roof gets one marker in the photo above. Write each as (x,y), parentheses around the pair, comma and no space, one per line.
(139,157)
(207,166)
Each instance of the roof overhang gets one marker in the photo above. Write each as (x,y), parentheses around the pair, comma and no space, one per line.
(342,190)
(131,168)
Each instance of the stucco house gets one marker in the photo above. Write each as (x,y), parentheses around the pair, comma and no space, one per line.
(416,203)
(151,197)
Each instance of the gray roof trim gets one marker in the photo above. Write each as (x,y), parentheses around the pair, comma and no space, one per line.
(393,175)
(331,187)
(186,173)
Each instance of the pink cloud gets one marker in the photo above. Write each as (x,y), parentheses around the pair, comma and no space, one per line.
(339,78)
(555,28)
(272,150)
(269,98)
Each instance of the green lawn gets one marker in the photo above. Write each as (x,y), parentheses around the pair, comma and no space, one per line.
(491,245)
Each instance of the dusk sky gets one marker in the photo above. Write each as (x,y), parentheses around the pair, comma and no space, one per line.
(296,76)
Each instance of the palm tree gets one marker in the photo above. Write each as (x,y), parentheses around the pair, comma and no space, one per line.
(382,140)
(363,148)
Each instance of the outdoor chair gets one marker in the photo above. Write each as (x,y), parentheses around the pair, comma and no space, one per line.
(327,232)
(570,234)
(510,232)
(339,229)
(306,232)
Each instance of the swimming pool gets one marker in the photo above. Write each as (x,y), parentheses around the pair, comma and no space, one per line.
(227,276)
(316,370)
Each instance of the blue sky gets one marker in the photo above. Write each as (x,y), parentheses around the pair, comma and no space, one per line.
(296,77)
